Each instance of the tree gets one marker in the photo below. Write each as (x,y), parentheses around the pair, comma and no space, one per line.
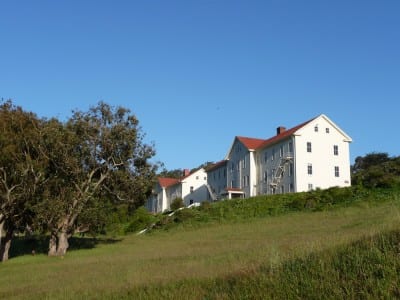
(376,170)
(95,156)
(20,170)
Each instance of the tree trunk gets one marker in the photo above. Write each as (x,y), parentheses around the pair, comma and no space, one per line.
(6,244)
(52,245)
(62,243)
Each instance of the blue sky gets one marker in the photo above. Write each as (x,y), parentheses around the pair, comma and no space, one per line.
(198,73)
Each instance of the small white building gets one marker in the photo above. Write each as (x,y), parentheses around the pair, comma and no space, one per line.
(192,188)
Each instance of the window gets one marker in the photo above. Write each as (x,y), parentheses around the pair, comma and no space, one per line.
(310,186)
(281,151)
(232,183)
(245,181)
(265,157)
(308,146)
(197,177)
(273,154)
(290,169)
(265,176)
(291,189)
(316,128)
(244,162)
(335,150)
(191,189)
(290,147)
(191,201)
(282,189)
(336,171)
(309,169)
(327,130)
(273,173)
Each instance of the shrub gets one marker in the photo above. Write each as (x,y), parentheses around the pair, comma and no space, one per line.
(140,219)
(177,203)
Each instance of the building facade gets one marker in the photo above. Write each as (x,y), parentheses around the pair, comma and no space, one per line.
(311,155)
(314,154)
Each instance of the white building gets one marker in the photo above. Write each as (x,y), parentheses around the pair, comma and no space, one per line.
(192,188)
(314,154)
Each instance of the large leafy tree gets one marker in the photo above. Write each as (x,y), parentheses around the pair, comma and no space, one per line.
(96,156)
(21,170)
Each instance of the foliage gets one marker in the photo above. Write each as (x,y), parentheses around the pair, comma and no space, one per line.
(376,170)
(140,220)
(177,203)
(242,210)
(21,170)
(95,156)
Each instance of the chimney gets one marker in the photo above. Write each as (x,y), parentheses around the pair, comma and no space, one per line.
(280,130)
(186,172)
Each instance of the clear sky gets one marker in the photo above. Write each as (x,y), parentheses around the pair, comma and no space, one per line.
(197,73)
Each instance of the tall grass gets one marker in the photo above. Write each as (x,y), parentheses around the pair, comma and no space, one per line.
(291,255)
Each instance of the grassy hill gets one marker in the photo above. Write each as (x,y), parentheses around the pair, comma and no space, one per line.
(334,244)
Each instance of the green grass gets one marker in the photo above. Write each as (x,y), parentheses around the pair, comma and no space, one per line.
(350,251)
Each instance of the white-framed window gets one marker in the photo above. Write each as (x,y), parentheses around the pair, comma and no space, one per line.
(327,130)
(335,150)
(290,173)
(197,177)
(290,147)
(291,188)
(191,189)
(337,171)
(281,151)
(245,180)
(310,186)
(309,147)
(265,157)
(265,176)
(316,128)
(309,169)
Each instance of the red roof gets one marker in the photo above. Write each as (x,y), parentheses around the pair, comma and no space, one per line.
(250,143)
(283,135)
(165,182)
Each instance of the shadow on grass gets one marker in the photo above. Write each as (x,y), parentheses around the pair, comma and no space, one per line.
(23,245)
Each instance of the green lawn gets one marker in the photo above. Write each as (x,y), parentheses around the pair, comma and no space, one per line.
(189,263)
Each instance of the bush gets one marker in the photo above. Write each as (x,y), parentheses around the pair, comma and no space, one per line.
(177,203)
(140,220)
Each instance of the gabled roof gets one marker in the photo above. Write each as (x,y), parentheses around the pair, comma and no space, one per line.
(166,182)
(256,143)
(250,143)
(283,135)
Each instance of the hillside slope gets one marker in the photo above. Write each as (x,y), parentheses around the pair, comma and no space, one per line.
(288,255)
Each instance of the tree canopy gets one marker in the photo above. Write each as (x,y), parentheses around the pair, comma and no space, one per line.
(65,174)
